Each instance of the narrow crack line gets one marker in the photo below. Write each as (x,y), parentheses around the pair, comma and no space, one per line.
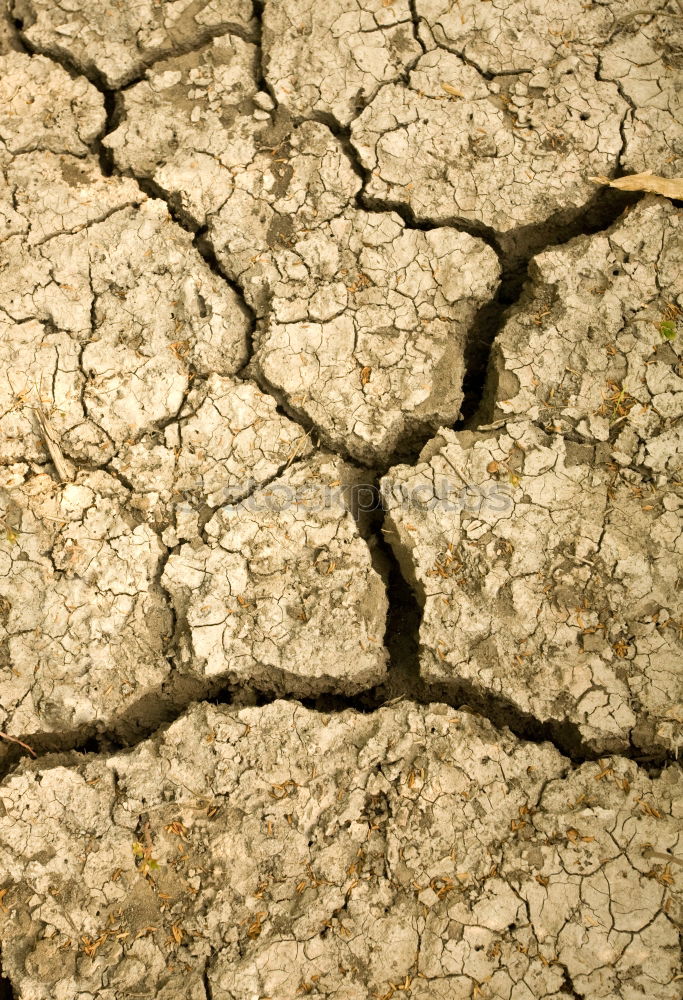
(567,985)
(262,80)
(486,74)
(174,49)
(92,222)
(416,19)
(62,58)
(297,416)
(205,980)
(401,77)
(619,24)
(205,249)
(628,114)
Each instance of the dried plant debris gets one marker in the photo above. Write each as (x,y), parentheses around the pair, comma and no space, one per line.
(509,102)
(277,852)
(594,349)
(116,41)
(547,580)
(669,187)
(283,594)
(330,59)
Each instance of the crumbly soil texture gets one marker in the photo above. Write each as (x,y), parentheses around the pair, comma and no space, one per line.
(341,482)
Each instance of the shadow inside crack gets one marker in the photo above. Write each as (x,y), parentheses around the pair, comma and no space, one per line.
(6,991)
(603,210)
(155,711)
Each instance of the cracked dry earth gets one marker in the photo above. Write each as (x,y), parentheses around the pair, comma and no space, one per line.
(341,450)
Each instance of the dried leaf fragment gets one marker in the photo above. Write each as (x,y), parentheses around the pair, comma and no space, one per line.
(670,187)
(13,739)
(52,444)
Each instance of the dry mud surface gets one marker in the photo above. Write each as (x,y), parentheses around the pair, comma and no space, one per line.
(341,478)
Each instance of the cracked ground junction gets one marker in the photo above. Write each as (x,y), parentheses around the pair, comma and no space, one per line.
(341,478)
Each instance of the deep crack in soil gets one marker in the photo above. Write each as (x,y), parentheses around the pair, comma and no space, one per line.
(445,842)
(403,620)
